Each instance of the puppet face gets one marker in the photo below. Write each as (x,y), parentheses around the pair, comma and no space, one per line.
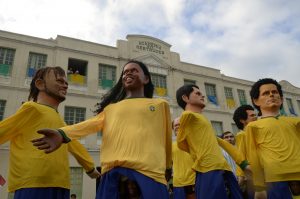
(251,116)
(55,86)
(134,77)
(269,98)
(195,98)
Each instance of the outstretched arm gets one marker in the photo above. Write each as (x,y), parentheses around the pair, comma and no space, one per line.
(51,141)
(237,156)
(84,128)
(82,156)
(54,138)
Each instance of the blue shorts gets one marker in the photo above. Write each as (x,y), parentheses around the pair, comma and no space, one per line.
(178,193)
(42,193)
(217,184)
(279,190)
(149,188)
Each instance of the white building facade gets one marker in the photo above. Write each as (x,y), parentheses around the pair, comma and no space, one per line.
(94,68)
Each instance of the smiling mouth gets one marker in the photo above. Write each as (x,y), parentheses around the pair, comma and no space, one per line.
(273,100)
(129,79)
(64,92)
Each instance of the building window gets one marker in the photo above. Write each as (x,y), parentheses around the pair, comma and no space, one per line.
(229,97)
(189,82)
(11,195)
(77,71)
(242,97)
(298,102)
(282,111)
(235,129)
(290,106)
(2,108)
(74,115)
(6,60)
(218,126)
(99,138)
(107,76)
(76,181)
(160,84)
(211,93)
(35,62)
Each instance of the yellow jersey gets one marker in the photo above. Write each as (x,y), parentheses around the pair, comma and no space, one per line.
(196,136)
(183,174)
(30,167)
(273,149)
(136,134)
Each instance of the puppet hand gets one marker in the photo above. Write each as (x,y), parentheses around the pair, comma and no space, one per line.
(93,174)
(248,172)
(50,142)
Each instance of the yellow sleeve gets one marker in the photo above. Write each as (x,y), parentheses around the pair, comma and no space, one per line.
(253,157)
(240,143)
(92,125)
(239,172)
(168,137)
(182,133)
(231,150)
(13,125)
(81,155)
(295,122)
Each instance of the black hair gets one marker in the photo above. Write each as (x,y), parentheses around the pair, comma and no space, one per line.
(117,93)
(184,90)
(254,92)
(73,195)
(41,74)
(241,114)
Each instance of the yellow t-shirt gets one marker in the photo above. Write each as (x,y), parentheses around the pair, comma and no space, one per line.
(136,134)
(28,166)
(196,136)
(183,174)
(273,149)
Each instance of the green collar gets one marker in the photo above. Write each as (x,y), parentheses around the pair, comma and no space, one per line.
(48,106)
(276,117)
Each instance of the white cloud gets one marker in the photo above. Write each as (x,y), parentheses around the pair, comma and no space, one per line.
(242,39)
(48,18)
(245,39)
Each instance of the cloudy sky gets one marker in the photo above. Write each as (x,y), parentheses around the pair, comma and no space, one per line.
(244,39)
